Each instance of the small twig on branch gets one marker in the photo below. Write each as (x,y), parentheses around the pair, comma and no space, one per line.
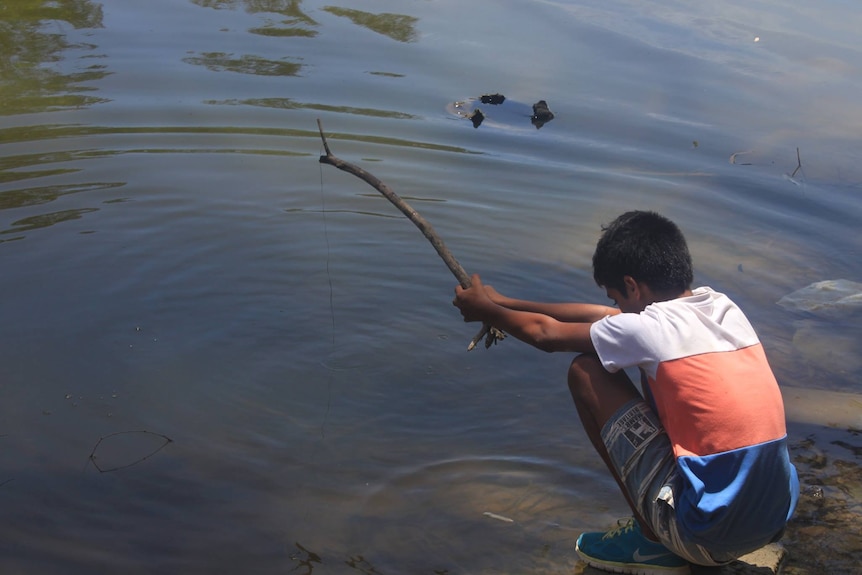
(798,163)
(489,333)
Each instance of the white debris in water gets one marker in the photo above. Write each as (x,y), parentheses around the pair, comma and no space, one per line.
(827,299)
(498,517)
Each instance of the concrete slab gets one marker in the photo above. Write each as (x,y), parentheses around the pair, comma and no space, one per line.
(765,561)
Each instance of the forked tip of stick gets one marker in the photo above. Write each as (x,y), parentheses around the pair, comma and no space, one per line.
(323,138)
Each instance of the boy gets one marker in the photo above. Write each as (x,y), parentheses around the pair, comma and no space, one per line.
(701,457)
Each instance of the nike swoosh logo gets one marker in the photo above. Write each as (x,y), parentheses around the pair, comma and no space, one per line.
(638,557)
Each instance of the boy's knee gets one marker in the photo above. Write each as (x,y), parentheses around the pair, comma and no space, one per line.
(585,364)
(582,371)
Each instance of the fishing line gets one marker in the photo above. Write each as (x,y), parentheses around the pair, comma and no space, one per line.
(326,239)
(304,557)
(331,305)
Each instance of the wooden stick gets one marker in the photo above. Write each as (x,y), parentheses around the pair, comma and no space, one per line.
(489,333)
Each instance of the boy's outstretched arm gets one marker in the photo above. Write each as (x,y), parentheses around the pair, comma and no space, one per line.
(549,327)
(566,312)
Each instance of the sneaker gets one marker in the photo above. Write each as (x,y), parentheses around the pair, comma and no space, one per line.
(626,550)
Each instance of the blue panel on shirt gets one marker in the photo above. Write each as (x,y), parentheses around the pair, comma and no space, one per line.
(737,500)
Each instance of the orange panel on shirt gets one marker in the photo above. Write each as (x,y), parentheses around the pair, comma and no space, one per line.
(716,402)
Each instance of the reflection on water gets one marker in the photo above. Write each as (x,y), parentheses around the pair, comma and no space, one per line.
(292,20)
(36,196)
(183,265)
(46,220)
(399,27)
(288,104)
(19,198)
(31,56)
(246,64)
(10,169)
(36,76)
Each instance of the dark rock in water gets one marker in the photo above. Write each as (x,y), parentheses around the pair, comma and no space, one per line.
(493,99)
(541,114)
(477,117)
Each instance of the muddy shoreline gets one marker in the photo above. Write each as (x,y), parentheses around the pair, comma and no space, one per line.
(825,533)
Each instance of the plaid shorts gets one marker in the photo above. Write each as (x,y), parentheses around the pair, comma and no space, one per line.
(642,455)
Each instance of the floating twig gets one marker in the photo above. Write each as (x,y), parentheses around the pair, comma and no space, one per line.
(92,457)
(502,518)
(733,157)
(491,334)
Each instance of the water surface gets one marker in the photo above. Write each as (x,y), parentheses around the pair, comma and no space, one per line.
(175,260)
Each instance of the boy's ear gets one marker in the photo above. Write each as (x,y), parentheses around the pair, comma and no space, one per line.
(632,287)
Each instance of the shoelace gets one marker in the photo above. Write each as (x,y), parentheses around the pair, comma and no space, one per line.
(623,526)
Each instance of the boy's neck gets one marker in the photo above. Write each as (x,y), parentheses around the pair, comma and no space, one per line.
(647,296)
(670,296)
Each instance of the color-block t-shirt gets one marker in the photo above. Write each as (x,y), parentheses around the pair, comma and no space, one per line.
(720,404)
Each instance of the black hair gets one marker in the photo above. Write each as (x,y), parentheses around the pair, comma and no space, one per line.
(646,246)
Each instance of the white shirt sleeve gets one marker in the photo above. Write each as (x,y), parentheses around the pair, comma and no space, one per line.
(624,340)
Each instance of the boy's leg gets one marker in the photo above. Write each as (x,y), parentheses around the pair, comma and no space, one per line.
(598,395)
(630,439)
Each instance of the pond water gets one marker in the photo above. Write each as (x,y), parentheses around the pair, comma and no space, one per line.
(218,355)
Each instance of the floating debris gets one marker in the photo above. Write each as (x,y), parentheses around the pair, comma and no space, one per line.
(829,299)
(502,518)
(493,99)
(477,118)
(112,452)
(735,154)
(827,335)
(541,114)
(499,111)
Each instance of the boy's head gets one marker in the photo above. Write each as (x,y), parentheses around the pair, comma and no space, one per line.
(647,247)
